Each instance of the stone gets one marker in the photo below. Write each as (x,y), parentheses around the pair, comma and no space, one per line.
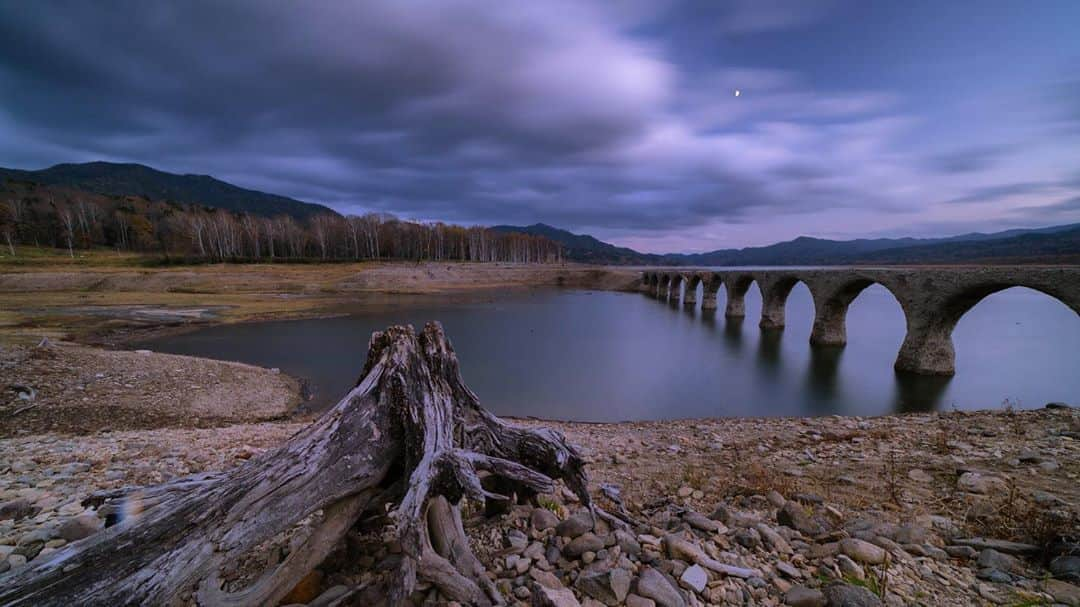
(17,560)
(961,552)
(700,521)
(576,525)
(1005,546)
(846,595)
(796,516)
(802,596)
(788,569)
(543,596)
(1063,592)
(775,499)
(862,551)
(17,509)
(545,578)
(984,484)
(994,575)
(773,539)
(919,476)
(694,578)
(849,568)
(628,544)
(635,600)
(992,559)
(748,538)
(652,584)
(1066,567)
(588,542)
(78,527)
(517,540)
(609,587)
(543,519)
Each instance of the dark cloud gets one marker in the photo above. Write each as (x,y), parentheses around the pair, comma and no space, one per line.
(458,110)
(967,160)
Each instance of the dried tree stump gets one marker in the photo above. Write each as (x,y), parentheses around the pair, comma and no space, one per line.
(410,437)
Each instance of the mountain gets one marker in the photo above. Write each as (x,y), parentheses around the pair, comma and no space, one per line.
(115,179)
(1050,244)
(582,247)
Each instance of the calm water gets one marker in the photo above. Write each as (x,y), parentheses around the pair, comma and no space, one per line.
(604,356)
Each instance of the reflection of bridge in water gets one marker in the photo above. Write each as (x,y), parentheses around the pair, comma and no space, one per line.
(933,300)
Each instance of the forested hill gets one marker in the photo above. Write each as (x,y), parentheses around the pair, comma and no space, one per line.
(113,179)
(1055,244)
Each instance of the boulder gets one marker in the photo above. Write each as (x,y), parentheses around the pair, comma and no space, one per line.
(610,586)
(694,578)
(652,584)
(802,596)
(576,525)
(846,595)
(862,552)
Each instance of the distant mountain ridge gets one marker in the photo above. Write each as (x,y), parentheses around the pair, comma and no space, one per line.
(125,179)
(1038,244)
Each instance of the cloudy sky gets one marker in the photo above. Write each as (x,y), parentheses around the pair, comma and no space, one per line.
(616,118)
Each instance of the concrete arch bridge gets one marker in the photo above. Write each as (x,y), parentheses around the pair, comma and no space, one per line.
(933,299)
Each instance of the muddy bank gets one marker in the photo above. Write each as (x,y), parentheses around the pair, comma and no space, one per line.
(73,389)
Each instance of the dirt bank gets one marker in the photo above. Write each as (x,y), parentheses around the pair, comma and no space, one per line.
(75,389)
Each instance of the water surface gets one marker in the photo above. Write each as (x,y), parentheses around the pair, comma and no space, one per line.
(604,356)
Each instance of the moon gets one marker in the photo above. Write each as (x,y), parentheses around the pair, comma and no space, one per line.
(737,92)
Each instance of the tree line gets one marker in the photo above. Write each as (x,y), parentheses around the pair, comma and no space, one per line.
(48,216)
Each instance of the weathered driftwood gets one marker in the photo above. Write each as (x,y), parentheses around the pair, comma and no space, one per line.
(410,436)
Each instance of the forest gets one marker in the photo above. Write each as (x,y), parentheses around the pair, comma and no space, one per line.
(74,220)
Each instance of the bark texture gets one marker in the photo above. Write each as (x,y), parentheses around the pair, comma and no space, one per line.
(410,437)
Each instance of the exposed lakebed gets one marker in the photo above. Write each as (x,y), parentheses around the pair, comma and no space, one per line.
(609,356)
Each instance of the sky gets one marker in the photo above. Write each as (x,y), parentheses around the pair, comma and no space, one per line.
(616,118)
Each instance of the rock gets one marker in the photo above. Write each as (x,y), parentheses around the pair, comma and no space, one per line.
(17,509)
(846,595)
(634,600)
(694,578)
(919,476)
(994,575)
(78,527)
(588,542)
(975,482)
(748,538)
(788,569)
(543,519)
(700,521)
(1005,546)
(850,568)
(609,587)
(773,539)
(1058,406)
(863,552)
(17,560)
(992,559)
(1066,567)
(576,525)
(627,543)
(1063,592)
(545,578)
(801,596)
(775,499)
(517,540)
(961,552)
(795,516)
(543,596)
(652,584)
(685,491)
(683,550)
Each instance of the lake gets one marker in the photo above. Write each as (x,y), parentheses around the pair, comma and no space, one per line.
(608,356)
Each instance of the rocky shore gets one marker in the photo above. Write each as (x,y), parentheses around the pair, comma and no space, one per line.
(928,509)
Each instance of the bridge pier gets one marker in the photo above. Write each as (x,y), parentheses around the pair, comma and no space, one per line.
(772,311)
(927,351)
(708,299)
(736,301)
(690,297)
(830,325)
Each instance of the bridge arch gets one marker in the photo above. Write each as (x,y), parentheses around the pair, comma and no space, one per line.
(831,304)
(692,282)
(674,290)
(928,346)
(712,282)
(774,296)
(736,287)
